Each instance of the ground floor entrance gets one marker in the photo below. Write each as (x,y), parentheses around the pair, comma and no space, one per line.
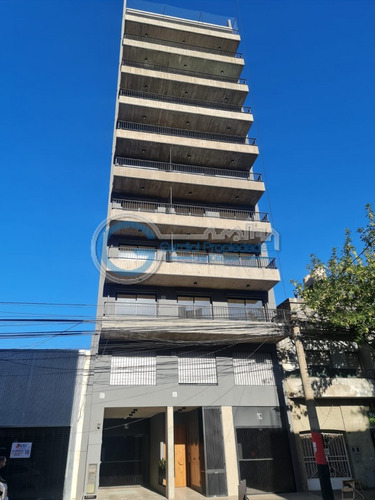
(206,449)
(135,443)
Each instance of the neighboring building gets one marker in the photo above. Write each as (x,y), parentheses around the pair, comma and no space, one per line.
(185,386)
(42,398)
(343,378)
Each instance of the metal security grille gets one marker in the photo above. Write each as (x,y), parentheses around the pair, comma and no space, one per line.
(216,481)
(197,369)
(253,369)
(264,459)
(133,369)
(336,453)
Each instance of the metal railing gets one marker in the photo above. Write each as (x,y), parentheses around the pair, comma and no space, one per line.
(182,16)
(180,132)
(182,45)
(188,102)
(133,309)
(189,210)
(186,257)
(186,169)
(182,71)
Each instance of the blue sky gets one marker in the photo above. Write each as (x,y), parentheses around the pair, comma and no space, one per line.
(311,69)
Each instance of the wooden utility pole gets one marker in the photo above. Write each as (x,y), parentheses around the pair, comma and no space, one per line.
(316,435)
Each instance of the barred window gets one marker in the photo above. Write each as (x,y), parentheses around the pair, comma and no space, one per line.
(133,369)
(253,369)
(194,368)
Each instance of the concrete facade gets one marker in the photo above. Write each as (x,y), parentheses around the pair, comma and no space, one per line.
(185,389)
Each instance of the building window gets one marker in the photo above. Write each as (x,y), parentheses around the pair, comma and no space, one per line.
(196,368)
(246,309)
(133,369)
(194,307)
(337,457)
(253,369)
(136,304)
(318,362)
(352,360)
(318,358)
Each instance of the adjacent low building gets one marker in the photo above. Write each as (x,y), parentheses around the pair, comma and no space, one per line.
(42,394)
(342,375)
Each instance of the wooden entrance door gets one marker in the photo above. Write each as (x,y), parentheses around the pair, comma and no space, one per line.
(195,469)
(194,453)
(180,455)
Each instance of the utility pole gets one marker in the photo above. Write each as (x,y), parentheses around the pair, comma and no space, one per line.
(316,435)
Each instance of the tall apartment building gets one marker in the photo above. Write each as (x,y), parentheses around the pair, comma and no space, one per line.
(185,390)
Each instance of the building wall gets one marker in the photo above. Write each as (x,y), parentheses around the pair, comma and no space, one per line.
(38,387)
(349,417)
(169,393)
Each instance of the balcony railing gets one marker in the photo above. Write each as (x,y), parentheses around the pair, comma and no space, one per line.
(182,45)
(140,127)
(188,102)
(187,169)
(186,257)
(183,71)
(179,311)
(189,210)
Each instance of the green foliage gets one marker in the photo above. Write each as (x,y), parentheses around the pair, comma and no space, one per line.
(162,464)
(341,292)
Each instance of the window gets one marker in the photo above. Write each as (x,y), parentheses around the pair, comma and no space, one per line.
(253,369)
(337,457)
(194,368)
(133,369)
(136,304)
(246,309)
(194,307)
(318,358)
(318,362)
(352,360)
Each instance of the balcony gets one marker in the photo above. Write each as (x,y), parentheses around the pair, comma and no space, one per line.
(145,49)
(188,169)
(173,321)
(188,102)
(183,45)
(146,64)
(170,111)
(215,222)
(192,134)
(132,177)
(199,147)
(197,269)
(190,210)
(181,83)
(176,29)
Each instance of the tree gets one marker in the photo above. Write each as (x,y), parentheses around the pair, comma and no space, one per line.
(341,293)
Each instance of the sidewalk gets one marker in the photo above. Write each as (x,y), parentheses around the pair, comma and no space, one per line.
(139,493)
